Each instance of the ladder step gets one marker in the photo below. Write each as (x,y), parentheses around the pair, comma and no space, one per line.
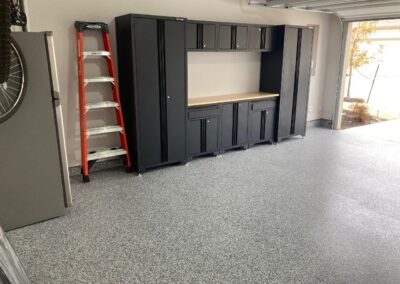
(100,105)
(108,153)
(103,130)
(96,53)
(99,80)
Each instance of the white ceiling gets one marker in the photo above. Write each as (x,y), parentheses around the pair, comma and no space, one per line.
(346,9)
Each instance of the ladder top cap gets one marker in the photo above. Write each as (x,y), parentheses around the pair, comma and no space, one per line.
(91,26)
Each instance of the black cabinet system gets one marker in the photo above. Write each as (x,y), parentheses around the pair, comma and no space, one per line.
(162,129)
(291,65)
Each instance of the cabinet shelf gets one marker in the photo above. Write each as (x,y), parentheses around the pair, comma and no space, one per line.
(192,102)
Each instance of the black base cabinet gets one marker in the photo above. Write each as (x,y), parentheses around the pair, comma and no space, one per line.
(203,129)
(218,128)
(262,122)
(152,76)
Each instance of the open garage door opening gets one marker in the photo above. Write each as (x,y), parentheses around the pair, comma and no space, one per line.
(371,93)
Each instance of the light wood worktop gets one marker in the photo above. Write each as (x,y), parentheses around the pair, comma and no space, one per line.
(229,98)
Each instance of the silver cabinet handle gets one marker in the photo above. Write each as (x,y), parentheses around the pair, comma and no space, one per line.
(168,97)
(204,45)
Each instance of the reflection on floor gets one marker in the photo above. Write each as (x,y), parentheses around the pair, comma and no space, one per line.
(320,209)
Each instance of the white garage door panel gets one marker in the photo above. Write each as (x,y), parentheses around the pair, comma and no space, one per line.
(346,9)
(371,13)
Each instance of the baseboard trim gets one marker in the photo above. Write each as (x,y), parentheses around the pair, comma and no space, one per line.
(99,166)
(324,123)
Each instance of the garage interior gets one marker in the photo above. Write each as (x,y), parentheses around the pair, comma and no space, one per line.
(260,186)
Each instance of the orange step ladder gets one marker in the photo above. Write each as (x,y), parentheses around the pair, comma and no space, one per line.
(88,157)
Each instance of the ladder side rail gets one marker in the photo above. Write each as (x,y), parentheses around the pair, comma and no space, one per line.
(115,88)
(82,104)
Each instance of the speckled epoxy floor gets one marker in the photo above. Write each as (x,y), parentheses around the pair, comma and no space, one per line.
(320,209)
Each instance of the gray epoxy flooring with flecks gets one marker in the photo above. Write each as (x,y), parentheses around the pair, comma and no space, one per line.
(324,209)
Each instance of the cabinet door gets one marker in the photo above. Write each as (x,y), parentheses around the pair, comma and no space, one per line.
(288,82)
(211,134)
(175,89)
(148,92)
(209,36)
(191,36)
(255,126)
(255,37)
(267,39)
(234,123)
(269,124)
(225,37)
(227,125)
(303,82)
(194,136)
(241,37)
(242,123)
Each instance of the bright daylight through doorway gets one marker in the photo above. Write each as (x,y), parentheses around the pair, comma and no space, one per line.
(371,93)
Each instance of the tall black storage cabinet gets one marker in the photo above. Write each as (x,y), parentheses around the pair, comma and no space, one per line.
(286,70)
(152,76)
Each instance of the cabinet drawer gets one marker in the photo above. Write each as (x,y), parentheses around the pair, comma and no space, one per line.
(263,105)
(203,113)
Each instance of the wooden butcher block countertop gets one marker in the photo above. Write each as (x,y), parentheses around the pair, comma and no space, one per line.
(229,98)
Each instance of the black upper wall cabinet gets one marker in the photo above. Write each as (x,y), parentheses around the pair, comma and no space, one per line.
(211,36)
(232,37)
(201,35)
(287,71)
(152,76)
(260,38)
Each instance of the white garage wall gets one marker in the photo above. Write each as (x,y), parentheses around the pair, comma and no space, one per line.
(332,67)
(222,73)
(59,16)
